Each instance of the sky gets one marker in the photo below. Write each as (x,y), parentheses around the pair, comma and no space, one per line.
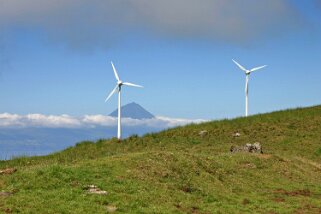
(55,56)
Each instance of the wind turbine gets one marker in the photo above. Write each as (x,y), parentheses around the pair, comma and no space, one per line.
(118,88)
(247,73)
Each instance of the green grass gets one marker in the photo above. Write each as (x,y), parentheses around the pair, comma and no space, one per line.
(178,171)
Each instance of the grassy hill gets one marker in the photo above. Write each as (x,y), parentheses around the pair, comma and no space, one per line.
(179,171)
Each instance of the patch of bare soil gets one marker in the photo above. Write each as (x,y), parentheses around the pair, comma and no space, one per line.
(7,210)
(191,210)
(311,209)
(245,201)
(248,165)
(264,156)
(304,192)
(5,194)
(279,200)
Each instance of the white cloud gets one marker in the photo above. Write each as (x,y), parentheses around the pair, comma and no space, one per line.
(98,120)
(38,120)
(51,120)
(87,121)
(7,119)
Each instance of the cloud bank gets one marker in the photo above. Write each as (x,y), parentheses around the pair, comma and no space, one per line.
(101,23)
(88,121)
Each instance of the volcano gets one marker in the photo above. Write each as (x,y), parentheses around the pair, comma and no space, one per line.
(134,111)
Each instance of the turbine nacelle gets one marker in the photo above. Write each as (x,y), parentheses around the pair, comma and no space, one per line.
(119,83)
(247,72)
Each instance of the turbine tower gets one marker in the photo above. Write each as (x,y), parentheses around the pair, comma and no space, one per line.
(118,88)
(247,73)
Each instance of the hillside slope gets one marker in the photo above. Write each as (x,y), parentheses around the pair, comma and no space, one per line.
(179,171)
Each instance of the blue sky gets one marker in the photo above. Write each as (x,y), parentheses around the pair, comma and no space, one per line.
(53,63)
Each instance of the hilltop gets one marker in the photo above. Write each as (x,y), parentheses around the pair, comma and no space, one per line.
(179,171)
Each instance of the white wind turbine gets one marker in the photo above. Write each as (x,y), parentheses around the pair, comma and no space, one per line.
(247,73)
(119,87)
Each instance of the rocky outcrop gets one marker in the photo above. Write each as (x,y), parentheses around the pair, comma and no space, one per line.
(236,134)
(203,133)
(7,171)
(92,189)
(252,148)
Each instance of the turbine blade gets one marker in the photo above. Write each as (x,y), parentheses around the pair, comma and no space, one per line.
(111,93)
(115,71)
(240,66)
(131,84)
(257,68)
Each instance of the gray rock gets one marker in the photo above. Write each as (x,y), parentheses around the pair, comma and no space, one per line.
(252,148)
(203,133)
(92,189)
(236,134)
(111,208)
(8,171)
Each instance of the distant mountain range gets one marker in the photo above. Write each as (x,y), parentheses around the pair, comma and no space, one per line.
(134,111)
